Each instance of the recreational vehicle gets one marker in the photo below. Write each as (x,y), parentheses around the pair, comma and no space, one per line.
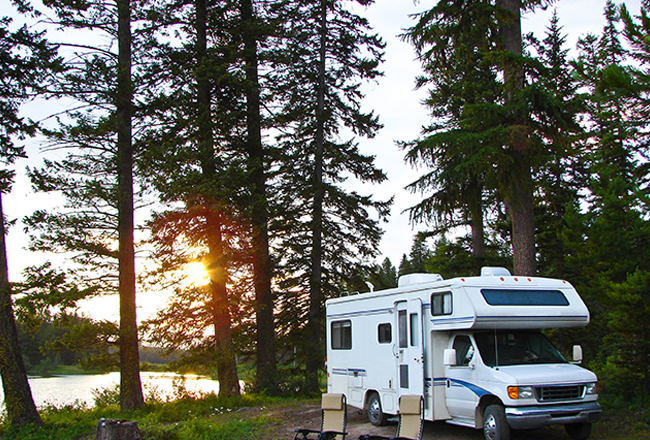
(471,347)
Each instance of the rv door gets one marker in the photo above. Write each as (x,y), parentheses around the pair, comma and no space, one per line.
(410,351)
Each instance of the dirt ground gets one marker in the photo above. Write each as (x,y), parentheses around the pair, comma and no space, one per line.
(308,416)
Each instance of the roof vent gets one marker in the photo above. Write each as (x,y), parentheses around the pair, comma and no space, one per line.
(418,278)
(495,272)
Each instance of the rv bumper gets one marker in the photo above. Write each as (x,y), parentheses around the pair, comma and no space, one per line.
(531,417)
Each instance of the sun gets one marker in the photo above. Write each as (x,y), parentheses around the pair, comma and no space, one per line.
(195,274)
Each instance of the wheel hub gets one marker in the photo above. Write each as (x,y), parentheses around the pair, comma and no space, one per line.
(490,428)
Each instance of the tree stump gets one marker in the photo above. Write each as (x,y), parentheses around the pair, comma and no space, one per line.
(113,429)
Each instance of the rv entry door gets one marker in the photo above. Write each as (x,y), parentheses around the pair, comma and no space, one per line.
(410,351)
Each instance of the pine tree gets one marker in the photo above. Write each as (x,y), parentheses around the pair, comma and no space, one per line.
(193,156)
(101,141)
(452,41)
(494,120)
(618,86)
(560,177)
(383,276)
(258,214)
(25,58)
(326,51)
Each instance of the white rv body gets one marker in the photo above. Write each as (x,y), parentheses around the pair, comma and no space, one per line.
(407,340)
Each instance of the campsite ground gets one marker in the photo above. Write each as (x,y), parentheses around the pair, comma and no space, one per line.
(308,415)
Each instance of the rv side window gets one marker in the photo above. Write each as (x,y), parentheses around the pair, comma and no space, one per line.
(441,303)
(385,333)
(415,330)
(403,332)
(464,350)
(342,335)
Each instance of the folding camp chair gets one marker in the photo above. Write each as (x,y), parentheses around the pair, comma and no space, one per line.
(333,422)
(411,420)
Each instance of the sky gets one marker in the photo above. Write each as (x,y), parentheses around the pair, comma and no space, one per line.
(392,97)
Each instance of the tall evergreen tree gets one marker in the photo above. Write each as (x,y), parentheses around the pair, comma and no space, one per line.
(25,59)
(326,52)
(494,119)
(267,379)
(193,158)
(560,177)
(452,41)
(100,138)
(617,284)
(131,396)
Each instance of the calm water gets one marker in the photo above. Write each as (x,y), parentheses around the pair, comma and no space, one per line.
(65,390)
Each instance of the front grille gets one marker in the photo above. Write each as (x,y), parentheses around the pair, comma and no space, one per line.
(555,394)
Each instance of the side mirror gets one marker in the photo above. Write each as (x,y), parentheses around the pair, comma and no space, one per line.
(577,354)
(449,357)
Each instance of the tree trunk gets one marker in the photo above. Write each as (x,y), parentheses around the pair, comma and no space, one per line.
(519,187)
(225,349)
(475,207)
(216,264)
(21,409)
(314,357)
(267,380)
(521,205)
(130,385)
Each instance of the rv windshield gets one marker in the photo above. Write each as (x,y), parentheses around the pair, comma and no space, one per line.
(516,348)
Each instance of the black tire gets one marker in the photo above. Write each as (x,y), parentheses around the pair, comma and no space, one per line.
(375,412)
(578,431)
(495,425)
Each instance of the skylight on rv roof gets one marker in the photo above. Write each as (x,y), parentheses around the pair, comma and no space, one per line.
(521,297)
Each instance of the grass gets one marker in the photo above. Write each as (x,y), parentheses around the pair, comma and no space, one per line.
(195,417)
(190,417)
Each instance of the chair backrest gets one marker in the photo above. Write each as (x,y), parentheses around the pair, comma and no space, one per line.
(334,412)
(410,417)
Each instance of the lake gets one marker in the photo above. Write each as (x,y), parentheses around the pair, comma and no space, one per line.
(66,390)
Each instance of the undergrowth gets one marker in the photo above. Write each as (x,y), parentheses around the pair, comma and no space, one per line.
(190,416)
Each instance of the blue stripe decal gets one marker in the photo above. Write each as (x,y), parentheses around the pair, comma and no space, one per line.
(485,319)
(349,372)
(452,320)
(363,313)
(529,318)
(470,386)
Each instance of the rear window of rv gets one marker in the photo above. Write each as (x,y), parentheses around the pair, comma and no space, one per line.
(342,335)
(518,297)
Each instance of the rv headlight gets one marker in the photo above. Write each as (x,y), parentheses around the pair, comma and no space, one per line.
(520,393)
(591,388)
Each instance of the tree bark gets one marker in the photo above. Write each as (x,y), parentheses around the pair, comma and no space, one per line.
(475,208)
(225,349)
(19,402)
(519,186)
(267,380)
(314,358)
(130,385)
(216,264)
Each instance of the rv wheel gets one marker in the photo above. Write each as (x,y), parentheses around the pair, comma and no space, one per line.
(495,425)
(578,431)
(375,413)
